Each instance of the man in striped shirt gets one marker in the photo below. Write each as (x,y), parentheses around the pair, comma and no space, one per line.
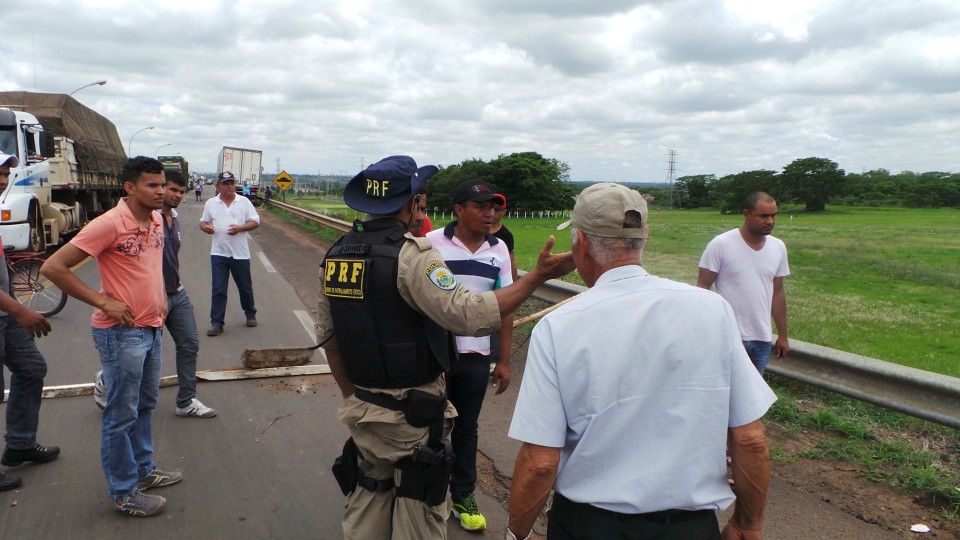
(482,263)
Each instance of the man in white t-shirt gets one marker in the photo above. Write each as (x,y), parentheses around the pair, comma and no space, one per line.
(229,218)
(748,265)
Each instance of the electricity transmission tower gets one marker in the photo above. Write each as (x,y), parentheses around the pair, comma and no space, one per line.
(671,176)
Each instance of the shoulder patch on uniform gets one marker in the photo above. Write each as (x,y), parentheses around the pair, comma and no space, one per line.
(441,276)
(422,243)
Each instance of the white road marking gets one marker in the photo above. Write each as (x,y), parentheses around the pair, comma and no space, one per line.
(266,263)
(307,321)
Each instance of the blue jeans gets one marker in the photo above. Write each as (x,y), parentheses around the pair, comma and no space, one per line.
(759,353)
(131,370)
(182,325)
(18,351)
(466,385)
(221,269)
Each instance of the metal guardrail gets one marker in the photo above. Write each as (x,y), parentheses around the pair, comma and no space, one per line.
(915,392)
(911,391)
(340,226)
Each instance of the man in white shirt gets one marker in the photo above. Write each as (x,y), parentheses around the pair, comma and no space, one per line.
(229,218)
(629,395)
(481,262)
(748,265)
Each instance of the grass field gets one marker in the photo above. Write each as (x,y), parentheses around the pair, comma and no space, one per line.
(883,283)
(879,282)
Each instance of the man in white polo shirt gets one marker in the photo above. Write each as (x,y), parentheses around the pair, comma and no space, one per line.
(229,218)
(481,262)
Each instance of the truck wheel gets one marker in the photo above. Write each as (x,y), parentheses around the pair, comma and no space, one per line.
(82,217)
(38,240)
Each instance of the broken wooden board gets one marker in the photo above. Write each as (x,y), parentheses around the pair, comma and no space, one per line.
(86,389)
(226,374)
(276,357)
(236,374)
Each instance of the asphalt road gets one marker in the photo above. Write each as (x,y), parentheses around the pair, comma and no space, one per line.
(260,469)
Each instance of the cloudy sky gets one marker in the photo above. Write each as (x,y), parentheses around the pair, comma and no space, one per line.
(607,86)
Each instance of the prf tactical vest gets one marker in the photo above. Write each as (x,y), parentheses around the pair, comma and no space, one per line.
(384,342)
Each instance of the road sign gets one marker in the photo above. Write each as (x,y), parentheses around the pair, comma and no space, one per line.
(283,180)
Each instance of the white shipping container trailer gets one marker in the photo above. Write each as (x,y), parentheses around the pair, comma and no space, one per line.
(245,164)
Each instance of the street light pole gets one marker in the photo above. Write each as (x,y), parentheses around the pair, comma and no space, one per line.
(130,144)
(98,83)
(157,153)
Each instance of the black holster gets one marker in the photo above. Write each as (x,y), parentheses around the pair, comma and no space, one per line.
(425,475)
(423,408)
(346,468)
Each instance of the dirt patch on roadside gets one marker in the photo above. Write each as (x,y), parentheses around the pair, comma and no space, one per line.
(292,385)
(859,492)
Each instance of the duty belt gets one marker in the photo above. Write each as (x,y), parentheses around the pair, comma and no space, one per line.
(376,486)
(381,400)
(409,407)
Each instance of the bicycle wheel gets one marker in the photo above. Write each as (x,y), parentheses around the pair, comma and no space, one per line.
(34,290)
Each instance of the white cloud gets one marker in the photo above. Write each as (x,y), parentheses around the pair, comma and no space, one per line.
(606,86)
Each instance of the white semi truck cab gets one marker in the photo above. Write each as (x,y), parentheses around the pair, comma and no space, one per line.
(70,161)
(21,202)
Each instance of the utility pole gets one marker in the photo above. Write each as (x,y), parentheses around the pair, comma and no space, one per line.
(278,165)
(671,176)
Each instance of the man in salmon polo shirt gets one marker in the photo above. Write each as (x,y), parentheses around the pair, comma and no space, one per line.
(127,242)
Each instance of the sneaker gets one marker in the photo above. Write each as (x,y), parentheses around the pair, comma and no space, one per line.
(215,331)
(157,479)
(195,408)
(8,482)
(470,517)
(99,390)
(38,454)
(138,504)
(251,322)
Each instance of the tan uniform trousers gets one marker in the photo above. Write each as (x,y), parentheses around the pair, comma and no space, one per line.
(384,437)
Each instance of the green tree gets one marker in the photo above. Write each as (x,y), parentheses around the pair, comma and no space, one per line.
(812,181)
(870,188)
(693,191)
(934,190)
(528,180)
(440,186)
(533,182)
(729,192)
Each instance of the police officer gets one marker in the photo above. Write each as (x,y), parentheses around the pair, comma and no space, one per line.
(387,307)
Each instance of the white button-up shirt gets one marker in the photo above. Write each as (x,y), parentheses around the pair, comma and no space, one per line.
(637,381)
(240,211)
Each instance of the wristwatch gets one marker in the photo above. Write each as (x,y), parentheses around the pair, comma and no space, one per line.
(508,535)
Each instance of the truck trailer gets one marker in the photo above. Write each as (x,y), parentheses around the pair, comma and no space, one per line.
(175,163)
(70,162)
(245,164)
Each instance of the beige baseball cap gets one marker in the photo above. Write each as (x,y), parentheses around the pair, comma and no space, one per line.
(600,210)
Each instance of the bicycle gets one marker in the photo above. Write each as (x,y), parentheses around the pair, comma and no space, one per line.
(29,287)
